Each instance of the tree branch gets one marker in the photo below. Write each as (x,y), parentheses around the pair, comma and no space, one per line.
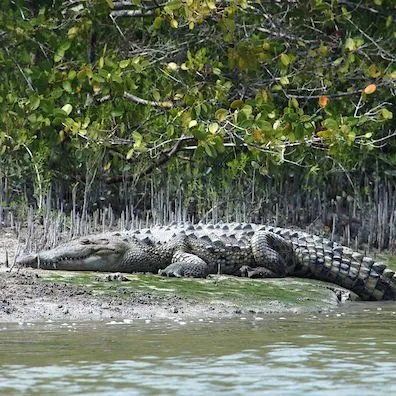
(163,158)
(131,13)
(136,99)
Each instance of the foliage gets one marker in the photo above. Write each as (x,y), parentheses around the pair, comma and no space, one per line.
(99,89)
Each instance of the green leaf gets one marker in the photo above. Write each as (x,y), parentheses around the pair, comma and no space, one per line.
(67,108)
(213,127)
(294,103)
(117,112)
(173,5)
(211,151)
(350,44)
(264,125)
(284,80)
(59,113)
(32,118)
(124,63)
(58,57)
(338,61)
(351,137)
(331,124)
(247,110)
(386,114)
(137,137)
(211,4)
(67,86)
(285,59)
(192,123)
(72,75)
(221,114)
(72,33)
(65,46)
(172,66)
(157,23)
(130,154)
(110,3)
(34,102)
(98,78)
(156,96)
(236,104)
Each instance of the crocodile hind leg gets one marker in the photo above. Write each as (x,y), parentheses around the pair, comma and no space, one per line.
(186,264)
(273,255)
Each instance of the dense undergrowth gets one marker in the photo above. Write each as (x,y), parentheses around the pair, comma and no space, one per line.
(208,110)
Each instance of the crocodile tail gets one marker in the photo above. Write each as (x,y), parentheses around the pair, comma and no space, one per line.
(305,255)
(338,264)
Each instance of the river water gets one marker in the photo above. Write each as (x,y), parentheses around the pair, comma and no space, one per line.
(347,352)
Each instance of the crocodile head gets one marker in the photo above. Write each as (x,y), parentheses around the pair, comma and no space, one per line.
(94,253)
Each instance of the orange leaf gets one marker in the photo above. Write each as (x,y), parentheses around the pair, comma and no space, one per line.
(323,101)
(370,89)
(257,135)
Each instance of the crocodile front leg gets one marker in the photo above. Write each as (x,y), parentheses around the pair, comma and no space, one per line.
(186,264)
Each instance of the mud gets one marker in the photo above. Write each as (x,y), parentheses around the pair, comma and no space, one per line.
(25,296)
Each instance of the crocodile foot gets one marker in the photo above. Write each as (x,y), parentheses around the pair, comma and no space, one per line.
(186,264)
(196,269)
(180,269)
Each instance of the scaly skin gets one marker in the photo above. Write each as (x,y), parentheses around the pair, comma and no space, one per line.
(235,249)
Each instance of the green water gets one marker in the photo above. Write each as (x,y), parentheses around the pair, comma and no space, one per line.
(351,352)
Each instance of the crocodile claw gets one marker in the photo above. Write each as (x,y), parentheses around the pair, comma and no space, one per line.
(257,272)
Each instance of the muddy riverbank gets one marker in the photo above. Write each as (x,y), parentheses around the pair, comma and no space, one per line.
(36,295)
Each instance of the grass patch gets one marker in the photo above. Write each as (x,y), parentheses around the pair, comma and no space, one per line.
(390,261)
(230,290)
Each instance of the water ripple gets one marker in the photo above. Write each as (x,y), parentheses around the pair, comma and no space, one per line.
(298,355)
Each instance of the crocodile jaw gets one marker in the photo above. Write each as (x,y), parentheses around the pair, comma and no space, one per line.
(84,254)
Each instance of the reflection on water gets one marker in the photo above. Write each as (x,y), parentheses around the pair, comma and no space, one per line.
(345,353)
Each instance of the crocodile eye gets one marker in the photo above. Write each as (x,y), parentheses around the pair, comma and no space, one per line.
(102,242)
(85,241)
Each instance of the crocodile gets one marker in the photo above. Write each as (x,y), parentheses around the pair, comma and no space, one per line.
(240,249)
